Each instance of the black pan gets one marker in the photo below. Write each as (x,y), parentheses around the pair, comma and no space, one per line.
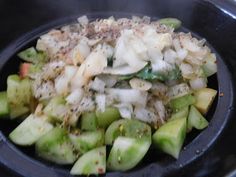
(203,18)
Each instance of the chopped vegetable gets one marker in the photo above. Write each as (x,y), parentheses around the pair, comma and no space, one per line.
(181,102)
(170,136)
(33,56)
(55,146)
(92,162)
(105,118)
(88,140)
(170,22)
(89,121)
(126,153)
(30,130)
(204,98)
(4,107)
(196,120)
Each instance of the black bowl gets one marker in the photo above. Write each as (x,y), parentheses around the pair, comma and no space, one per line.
(23,160)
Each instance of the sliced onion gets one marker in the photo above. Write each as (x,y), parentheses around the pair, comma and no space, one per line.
(100,100)
(86,104)
(97,85)
(79,78)
(122,70)
(161,66)
(95,63)
(189,44)
(132,96)
(61,84)
(160,108)
(79,52)
(140,84)
(83,20)
(109,80)
(198,83)
(125,109)
(159,89)
(144,115)
(178,90)
(170,56)
(75,96)
(186,70)
(130,50)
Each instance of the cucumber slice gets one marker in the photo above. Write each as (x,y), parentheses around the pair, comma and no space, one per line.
(128,128)
(18,91)
(196,120)
(105,118)
(55,146)
(181,102)
(30,130)
(170,136)
(56,108)
(87,140)
(33,56)
(126,153)
(92,162)
(210,66)
(13,85)
(180,114)
(18,111)
(114,130)
(171,22)
(204,98)
(89,121)
(4,107)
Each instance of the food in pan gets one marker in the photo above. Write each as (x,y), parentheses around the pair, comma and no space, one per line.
(126,84)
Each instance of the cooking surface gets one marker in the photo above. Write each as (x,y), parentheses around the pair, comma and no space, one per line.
(208,20)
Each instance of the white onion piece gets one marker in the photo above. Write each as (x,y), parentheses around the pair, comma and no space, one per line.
(178,90)
(160,108)
(152,39)
(140,84)
(126,110)
(170,56)
(181,53)
(132,96)
(75,96)
(100,100)
(186,70)
(44,90)
(70,71)
(97,85)
(86,104)
(51,43)
(61,84)
(198,83)
(130,50)
(159,89)
(95,63)
(106,49)
(189,44)
(83,20)
(109,80)
(144,115)
(79,78)
(52,70)
(161,66)
(122,70)
(154,54)
(79,52)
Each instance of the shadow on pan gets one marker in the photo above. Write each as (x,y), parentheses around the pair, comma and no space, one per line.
(24,162)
